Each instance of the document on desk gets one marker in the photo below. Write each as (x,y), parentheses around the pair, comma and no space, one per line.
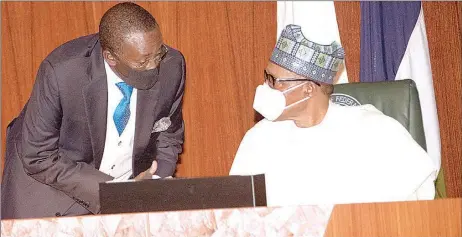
(133,180)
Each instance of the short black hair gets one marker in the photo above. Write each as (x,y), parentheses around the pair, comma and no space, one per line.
(120,21)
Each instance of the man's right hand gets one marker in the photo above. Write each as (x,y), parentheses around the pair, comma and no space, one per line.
(148,173)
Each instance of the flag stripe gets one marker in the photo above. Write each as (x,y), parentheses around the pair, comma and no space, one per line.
(416,64)
(393,47)
(385,30)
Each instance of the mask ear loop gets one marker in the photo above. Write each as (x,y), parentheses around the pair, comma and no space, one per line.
(294,87)
(300,101)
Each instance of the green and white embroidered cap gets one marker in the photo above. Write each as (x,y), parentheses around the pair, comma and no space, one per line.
(297,54)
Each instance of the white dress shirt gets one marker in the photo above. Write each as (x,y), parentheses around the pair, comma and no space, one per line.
(356,154)
(118,151)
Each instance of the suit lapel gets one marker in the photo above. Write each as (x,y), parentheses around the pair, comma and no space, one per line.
(96,102)
(146,105)
(148,111)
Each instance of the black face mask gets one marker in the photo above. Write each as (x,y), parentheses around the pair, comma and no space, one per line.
(141,80)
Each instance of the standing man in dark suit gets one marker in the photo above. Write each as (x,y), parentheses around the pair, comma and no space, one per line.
(104,107)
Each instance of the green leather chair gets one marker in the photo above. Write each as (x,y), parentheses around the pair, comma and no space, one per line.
(397,99)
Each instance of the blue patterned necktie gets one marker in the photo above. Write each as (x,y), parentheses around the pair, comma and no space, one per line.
(122,112)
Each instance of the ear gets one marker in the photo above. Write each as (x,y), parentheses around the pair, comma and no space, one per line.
(109,58)
(309,89)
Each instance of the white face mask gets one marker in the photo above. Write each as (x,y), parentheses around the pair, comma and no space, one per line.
(271,103)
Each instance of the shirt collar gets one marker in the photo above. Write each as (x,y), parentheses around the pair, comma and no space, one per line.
(111,76)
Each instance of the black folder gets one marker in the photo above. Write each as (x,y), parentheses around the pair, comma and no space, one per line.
(182,194)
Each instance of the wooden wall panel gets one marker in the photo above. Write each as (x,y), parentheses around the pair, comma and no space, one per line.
(227,67)
(349,26)
(442,20)
(226,46)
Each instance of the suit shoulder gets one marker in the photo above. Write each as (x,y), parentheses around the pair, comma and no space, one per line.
(174,56)
(77,48)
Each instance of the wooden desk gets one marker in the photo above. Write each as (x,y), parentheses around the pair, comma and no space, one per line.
(424,218)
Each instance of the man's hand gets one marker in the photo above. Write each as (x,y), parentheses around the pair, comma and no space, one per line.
(148,173)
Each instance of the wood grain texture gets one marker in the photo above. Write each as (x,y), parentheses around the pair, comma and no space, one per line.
(442,20)
(407,219)
(349,26)
(226,61)
(226,46)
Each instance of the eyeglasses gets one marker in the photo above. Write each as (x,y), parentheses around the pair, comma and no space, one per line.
(271,80)
(154,60)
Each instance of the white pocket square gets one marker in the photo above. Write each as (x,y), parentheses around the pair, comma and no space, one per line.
(161,125)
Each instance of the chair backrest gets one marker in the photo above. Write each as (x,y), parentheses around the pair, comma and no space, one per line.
(397,99)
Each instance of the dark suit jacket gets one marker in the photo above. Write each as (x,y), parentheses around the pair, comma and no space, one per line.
(55,146)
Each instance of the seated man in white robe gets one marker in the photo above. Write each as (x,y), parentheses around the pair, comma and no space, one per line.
(313,151)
